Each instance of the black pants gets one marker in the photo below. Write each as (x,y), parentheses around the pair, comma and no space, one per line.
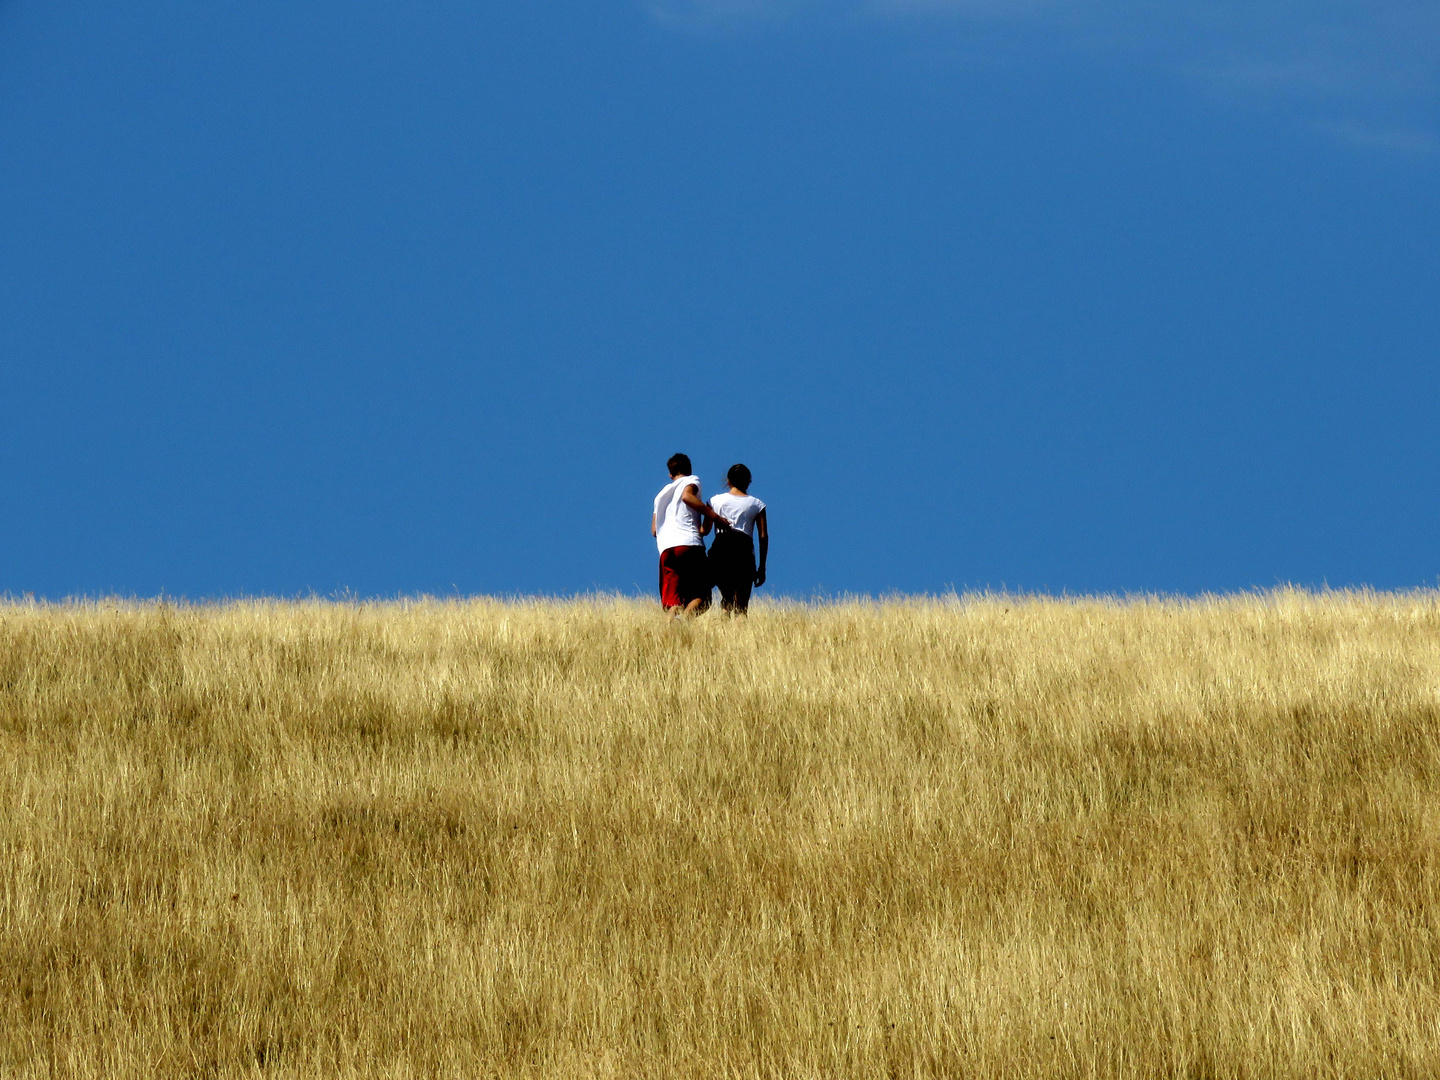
(732,569)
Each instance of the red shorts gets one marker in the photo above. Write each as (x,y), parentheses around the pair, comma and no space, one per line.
(684,576)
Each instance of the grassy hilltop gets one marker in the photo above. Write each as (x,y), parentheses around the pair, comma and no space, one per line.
(991,838)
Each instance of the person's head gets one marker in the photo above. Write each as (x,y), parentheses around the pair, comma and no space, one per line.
(679,465)
(739,477)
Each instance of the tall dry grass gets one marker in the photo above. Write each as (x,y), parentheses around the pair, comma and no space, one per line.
(987,837)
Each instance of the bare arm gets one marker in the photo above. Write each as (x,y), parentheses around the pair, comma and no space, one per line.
(653,531)
(762,531)
(691,498)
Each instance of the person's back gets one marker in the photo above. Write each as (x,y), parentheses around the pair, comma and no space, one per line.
(733,566)
(677,525)
(739,511)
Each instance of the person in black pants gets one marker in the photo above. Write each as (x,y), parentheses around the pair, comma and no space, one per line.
(733,567)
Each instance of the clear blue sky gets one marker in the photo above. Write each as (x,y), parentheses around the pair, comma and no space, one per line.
(418,297)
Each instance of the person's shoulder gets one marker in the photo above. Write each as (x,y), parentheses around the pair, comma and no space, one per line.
(759,504)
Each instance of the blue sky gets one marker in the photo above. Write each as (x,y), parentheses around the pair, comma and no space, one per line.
(398,298)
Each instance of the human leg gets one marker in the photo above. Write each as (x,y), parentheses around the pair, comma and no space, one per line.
(740,603)
(694,579)
(671,596)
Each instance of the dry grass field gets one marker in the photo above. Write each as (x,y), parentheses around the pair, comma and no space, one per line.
(981,837)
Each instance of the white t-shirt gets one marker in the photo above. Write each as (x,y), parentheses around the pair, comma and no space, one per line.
(676,525)
(739,510)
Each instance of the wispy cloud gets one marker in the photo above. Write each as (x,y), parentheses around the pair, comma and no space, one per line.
(1377,56)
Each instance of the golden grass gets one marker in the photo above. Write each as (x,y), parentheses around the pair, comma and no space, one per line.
(986,837)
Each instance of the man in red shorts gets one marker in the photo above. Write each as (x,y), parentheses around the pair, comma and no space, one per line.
(679,510)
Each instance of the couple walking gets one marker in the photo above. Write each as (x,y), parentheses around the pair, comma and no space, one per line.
(680,524)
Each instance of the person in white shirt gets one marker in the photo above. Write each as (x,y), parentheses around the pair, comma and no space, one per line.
(733,567)
(677,528)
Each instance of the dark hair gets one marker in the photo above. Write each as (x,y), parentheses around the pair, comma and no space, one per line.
(679,465)
(739,476)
